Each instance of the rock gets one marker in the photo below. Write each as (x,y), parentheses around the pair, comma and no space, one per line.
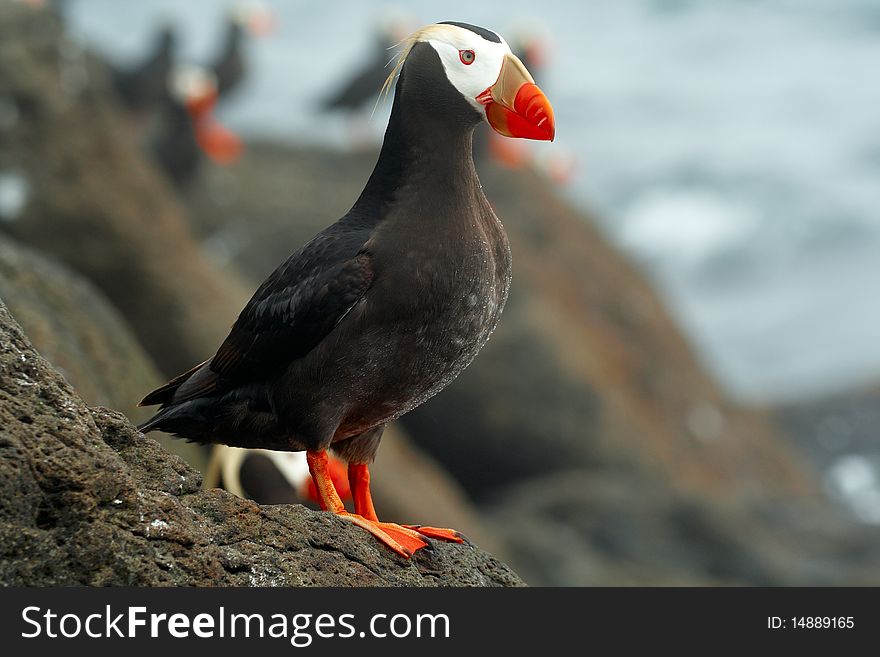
(834,426)
(592,528)
(88,197)
(87,500)
(76,329)
(838,433)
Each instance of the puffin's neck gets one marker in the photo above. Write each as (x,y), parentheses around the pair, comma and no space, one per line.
(422,152)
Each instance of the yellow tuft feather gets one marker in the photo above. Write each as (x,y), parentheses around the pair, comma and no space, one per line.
(405,46)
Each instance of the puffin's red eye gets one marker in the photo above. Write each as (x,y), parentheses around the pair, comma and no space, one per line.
(467,57)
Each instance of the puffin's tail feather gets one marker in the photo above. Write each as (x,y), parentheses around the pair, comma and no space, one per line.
(164,394)
(152,423)
(176,418)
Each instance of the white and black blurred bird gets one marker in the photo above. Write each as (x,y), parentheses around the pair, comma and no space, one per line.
(366,82)
(247,17)
(186,131)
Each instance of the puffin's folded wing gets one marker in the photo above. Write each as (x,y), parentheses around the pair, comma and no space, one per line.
(291,313)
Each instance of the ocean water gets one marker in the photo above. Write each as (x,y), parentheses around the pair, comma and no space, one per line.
(732,147)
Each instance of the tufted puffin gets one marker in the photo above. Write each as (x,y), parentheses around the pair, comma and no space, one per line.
(384,308)
(247,17)
(366,82)
(186,128)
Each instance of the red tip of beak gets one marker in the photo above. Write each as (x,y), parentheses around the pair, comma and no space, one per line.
(532,104)
(531,118)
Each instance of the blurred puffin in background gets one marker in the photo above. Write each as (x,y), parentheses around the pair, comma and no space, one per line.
(270,477)
(247,17)
(366,82)
(358,95)
(186,129)
(384,308)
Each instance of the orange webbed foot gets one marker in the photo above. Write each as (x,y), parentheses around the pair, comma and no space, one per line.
(403,540)
(440,533)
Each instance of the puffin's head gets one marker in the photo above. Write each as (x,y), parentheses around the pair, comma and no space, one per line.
(194,87)
(479,65)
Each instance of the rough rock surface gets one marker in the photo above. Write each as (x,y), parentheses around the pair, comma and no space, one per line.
(75,328)
(86,499)
(83,336)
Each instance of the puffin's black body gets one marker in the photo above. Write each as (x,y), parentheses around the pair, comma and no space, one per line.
(377,313)
(174,144)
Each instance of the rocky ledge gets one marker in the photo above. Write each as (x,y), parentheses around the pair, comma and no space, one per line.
(87,500)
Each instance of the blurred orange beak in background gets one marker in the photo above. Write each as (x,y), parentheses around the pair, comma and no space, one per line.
(515,106)
(218,142)
(261,22)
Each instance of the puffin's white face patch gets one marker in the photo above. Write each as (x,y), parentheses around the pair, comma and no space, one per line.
(471,79)
(470,76)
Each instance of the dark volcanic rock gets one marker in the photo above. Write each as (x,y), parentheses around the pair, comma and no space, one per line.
(86,499)
(88,197)
(75,328)
(609,529)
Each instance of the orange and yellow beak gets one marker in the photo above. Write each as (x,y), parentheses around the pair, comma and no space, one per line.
(515,106)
